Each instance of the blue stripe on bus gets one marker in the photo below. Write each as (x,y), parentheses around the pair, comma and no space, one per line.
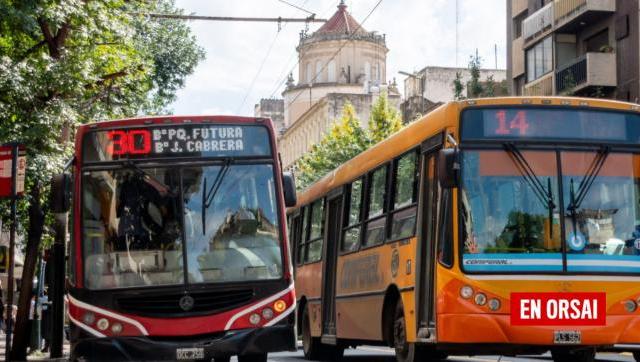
(514,256)
(597,268)
(603,257)
(513,268)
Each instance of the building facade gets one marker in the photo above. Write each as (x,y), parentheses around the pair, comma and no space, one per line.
(271,108)
(432,86)
(574,47)
(339,62)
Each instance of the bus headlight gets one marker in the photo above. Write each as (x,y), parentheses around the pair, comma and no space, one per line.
(466,292)
(494,304)
(88,318)
(267,313)
(102,324)
(630,306)
(480,299)
(254,318)
(116,328)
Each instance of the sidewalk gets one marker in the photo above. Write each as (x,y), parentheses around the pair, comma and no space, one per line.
(37,356)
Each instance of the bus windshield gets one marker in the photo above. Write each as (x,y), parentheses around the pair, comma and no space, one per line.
(134,221)
(513,221)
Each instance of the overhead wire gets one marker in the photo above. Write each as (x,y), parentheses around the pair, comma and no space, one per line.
(264,59)
(284,74)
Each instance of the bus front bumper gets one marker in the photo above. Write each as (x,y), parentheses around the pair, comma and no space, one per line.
(497,329)
(237,342)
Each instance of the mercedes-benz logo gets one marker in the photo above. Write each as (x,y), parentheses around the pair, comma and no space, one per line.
(186,303)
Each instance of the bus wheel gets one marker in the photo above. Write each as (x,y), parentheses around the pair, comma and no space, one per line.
(636,356)
(222,359)
(253,358)
(405,351)
(581,355)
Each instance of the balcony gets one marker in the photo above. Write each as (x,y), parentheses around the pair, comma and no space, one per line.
(542,86)
(538,23)
(572,15)
(588,71)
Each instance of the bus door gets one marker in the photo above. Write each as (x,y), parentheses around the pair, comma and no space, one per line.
(427,235)
(333,226)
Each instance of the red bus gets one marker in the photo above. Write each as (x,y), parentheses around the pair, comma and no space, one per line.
(178,246)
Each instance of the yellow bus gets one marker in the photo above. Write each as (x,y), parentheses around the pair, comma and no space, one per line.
(490,226)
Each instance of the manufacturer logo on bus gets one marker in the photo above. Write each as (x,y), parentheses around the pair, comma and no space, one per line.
(186,303)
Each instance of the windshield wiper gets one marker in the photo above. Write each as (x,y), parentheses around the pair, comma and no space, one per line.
(587,181)
(543,193)
(208,195)
(158,185)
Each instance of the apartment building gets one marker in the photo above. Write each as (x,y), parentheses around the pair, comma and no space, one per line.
(574,47)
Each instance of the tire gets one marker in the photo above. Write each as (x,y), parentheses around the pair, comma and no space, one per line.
(580,355)
(253,358)
(222,359)
(405,351)
(636,356)
(313,348)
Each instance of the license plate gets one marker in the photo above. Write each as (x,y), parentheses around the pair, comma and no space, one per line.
(189,353)
(567,337)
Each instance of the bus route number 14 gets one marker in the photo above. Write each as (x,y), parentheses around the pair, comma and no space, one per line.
(519,123)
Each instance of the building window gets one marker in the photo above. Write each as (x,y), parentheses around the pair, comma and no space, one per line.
(517,24)
(539,59)
(598,41)
(309,74)
(367,71)
(318,71)
(331,70)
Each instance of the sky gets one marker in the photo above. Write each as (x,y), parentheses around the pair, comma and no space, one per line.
(247,61)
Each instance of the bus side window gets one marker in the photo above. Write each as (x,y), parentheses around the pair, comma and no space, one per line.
(375,230)
(351,231)
(300,245)
(405,196)
(445,234)
(314,244)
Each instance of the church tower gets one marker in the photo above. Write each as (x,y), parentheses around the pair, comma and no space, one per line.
(339,62)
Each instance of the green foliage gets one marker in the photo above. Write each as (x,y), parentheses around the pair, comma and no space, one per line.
(569,83)
(384,120)
(474,88)
(346,139)
(489,87)
(458,87)
(63,63)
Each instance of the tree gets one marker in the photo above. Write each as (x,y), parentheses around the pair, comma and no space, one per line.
(346,139)
(458,87)
(474,87)
(489,87)
(63,63)
(384,120)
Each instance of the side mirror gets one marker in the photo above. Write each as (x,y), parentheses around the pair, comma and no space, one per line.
(448,167)
(60,199)
(289,186)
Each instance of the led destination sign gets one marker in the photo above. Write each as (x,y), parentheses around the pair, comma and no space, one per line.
(550,123)
(177,141)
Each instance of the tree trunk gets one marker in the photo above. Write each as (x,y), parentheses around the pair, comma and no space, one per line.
(36,222)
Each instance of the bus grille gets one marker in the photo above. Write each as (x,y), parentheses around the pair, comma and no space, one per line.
(172,304)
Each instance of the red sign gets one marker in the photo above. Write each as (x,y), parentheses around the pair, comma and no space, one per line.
(558,309)
(6,169)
